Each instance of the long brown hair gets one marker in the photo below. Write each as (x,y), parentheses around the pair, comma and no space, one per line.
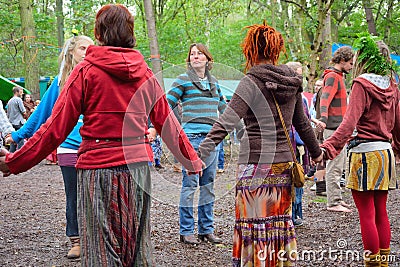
(262,42)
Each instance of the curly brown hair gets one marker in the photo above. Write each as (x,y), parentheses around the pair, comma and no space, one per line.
(343,53)
(262,42)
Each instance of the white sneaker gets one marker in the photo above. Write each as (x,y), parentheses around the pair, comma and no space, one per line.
(313,187)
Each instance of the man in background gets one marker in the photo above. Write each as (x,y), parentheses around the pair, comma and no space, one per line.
(16,112)
(333,104)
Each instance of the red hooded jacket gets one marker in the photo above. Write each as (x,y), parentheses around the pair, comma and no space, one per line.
(373,111)
(116,92)
(333,100)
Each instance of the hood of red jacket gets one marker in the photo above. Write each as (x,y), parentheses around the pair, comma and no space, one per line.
(382,95)
(124,63)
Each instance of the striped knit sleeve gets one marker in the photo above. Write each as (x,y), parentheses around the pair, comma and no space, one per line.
(175,93)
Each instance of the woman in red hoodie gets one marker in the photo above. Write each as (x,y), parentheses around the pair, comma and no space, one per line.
(117,93)
(373,111)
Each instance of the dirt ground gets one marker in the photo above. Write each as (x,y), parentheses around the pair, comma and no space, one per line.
(32,223)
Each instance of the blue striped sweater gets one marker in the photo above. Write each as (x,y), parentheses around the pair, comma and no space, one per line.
(202,101)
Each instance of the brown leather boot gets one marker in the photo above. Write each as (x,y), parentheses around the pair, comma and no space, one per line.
(75,251)
(189,239)
(372,260)
(210,238)
(385,252)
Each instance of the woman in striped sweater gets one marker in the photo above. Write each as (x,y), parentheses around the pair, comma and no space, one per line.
(202,102)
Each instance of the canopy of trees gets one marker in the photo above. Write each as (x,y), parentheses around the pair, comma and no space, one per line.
(309,28)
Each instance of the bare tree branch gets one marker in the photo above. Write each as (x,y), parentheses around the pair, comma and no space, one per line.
(299,6)
(347,11)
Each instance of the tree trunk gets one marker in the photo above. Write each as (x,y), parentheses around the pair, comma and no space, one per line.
(30,56)
(368,4)
(389,15)
(318,43)
(152,33)
(326,53)
(273,13)
(60,23)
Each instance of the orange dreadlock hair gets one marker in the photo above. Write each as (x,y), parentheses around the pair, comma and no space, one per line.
(262,42)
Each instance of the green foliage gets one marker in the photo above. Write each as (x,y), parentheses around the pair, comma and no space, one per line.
(216,23)
(369,56)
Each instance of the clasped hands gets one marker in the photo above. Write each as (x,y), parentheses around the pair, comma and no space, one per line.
(8,139)
(3,166)
(319,158)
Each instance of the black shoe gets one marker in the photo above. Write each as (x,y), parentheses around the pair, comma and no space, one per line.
(210,238)
(189,239)
(159,166)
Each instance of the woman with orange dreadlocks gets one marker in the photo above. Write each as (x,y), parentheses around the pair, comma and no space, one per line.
(264,227)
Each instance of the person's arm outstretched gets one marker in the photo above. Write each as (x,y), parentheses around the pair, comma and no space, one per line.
(40,115)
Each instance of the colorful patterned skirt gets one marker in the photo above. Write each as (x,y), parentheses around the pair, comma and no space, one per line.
(114,216)
(374,170)
(264,233)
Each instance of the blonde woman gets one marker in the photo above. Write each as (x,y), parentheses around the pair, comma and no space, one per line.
(73,52)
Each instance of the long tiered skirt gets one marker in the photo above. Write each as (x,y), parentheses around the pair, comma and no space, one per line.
(114,216)
(264,233)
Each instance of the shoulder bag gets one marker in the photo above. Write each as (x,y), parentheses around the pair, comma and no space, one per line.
(297,171)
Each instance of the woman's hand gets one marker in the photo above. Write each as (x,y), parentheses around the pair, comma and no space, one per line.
(3,166)
(319,158)
(152,135)
(9,139)
(203,166)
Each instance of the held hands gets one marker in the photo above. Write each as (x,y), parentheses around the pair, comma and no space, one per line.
(3,166)
(319,158)
(152,135)
(203,166)
(320,126)
(9,139)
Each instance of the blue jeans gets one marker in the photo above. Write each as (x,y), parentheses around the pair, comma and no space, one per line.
(297,205)
(206,197)
(221,154)
(71,187)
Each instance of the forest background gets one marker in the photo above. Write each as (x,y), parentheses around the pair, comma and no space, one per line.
(33,32)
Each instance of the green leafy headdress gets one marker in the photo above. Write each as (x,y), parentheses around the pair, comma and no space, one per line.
(369,57)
